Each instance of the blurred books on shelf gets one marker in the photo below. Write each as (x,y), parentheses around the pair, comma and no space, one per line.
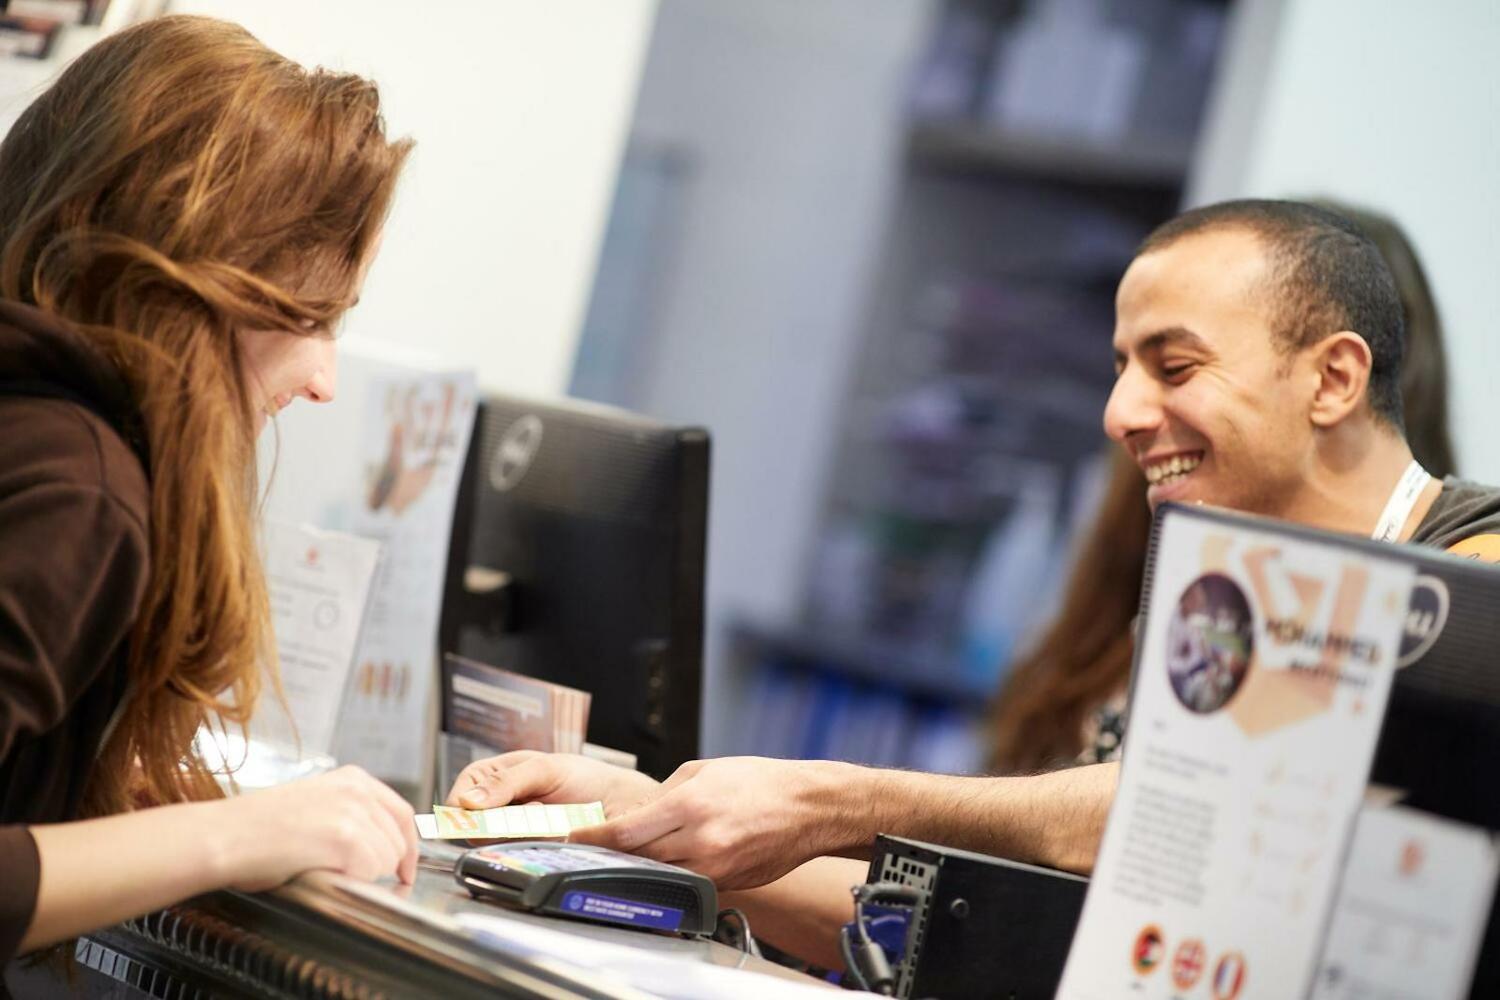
(56,11)
(811,711)
(1069,84)
(1044,141)
(26,37)
(29,29)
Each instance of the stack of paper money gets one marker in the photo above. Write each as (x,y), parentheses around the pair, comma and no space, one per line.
(528,821)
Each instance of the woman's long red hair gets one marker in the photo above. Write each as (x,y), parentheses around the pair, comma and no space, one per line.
(178,184)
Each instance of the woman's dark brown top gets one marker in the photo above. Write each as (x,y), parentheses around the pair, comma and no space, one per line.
(74,559)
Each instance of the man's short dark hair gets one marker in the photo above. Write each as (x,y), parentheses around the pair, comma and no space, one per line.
(1325,276)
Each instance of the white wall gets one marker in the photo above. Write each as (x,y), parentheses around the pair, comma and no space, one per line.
(520,111)
(790,115)
(1395,105)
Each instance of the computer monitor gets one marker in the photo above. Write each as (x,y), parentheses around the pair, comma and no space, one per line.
(1440,741)
(577,557)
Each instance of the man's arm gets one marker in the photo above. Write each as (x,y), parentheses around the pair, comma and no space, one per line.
(1054,819)
(746,821)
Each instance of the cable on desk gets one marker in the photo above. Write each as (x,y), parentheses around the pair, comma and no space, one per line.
(864,959)
(746,940)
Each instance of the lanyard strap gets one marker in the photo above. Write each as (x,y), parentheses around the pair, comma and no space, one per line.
(1403,498)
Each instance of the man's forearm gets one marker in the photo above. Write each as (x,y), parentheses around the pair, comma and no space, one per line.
(1053,819)
(801,912)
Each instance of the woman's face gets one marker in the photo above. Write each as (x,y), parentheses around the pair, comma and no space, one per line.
(281,366)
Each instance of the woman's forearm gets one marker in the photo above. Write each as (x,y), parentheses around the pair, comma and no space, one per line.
(98,872)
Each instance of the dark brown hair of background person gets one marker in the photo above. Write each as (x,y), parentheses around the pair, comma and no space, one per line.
(181,182)
(1424,371)
(1083,658)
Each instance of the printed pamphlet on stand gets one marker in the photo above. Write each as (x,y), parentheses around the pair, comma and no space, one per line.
(487,710)
(1411,910)
(1264,667)
(510,711)
(319,583)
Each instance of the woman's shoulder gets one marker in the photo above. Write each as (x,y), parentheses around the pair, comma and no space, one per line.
(66,411)
(56,444)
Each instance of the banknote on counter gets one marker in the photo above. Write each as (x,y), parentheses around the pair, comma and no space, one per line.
(528,821)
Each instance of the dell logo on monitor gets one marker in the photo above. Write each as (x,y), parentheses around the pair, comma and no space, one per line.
(513,455)
(1426,615)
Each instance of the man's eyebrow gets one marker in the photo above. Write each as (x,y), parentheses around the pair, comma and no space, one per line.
(1156,341)
(1172,335)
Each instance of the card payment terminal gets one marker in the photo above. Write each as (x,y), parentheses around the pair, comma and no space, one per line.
(590,883)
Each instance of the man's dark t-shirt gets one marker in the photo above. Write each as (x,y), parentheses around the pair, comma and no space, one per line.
(1464,518)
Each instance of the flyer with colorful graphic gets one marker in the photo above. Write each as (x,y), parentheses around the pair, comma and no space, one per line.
(1262,677)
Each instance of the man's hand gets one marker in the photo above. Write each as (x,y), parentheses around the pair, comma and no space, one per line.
(531,776)
(742,821)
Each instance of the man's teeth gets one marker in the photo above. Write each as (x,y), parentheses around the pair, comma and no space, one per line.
(1171,470)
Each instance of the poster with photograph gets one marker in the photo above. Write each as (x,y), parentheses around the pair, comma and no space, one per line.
(417,429)
(1262,678)
(383,463)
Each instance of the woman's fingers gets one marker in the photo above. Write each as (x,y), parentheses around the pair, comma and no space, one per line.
(404,817)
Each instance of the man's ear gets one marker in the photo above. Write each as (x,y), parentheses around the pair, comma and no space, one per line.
(1342,363)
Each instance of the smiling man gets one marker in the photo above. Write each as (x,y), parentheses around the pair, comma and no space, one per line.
(1258,352)
(1258,346)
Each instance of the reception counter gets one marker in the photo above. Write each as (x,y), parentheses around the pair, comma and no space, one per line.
(324,936)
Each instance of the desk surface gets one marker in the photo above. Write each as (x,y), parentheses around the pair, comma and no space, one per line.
(326,936)
(427,914)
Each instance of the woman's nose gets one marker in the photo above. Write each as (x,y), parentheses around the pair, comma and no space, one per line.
(324,382)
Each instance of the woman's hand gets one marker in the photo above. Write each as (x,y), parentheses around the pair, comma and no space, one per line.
(531,776)
(98,872)
(344,821)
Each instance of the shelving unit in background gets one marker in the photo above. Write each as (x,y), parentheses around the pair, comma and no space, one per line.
(969,444)
(39,37)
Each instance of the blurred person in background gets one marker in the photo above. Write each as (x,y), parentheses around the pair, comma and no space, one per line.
(1064,700)
(184,217)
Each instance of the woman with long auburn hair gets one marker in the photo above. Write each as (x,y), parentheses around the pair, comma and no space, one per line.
(1064,701)
(184,216)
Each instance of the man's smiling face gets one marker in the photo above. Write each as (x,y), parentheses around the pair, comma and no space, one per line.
(1205,401)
